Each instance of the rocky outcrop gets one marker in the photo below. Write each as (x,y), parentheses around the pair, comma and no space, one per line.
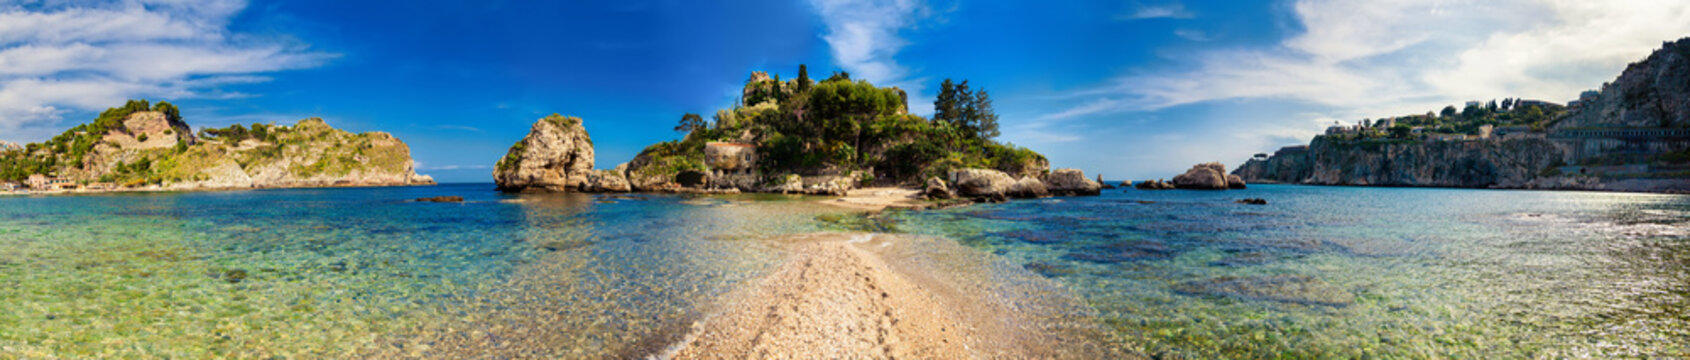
(1028,187)
(1653,93)
(557,155)
(1153,185)
(981,183)
(1233,181)
(599,181)
(936,189)
(1206,176)
(1071,182)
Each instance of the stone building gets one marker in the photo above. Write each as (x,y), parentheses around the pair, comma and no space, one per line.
(726,158)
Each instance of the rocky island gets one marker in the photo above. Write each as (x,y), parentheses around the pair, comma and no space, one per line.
(143,146)
(1631,135)
(801,136)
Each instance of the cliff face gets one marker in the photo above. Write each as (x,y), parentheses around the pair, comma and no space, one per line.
(1653,93)
(557,155)
(1496,163)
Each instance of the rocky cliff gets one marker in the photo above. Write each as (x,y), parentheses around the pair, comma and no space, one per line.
(1653,93)
(1632,135)
(557,155)
(1478,164)
(141,147)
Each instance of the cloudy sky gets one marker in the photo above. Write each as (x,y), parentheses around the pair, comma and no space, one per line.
(1131,89)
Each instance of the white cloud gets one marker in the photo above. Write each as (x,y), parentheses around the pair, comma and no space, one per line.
(59,58)
(864,39)
(1193,35)
(1169,11)
(1393,57)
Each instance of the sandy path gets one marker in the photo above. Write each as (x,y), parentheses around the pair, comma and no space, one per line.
(876,199)
(837,298)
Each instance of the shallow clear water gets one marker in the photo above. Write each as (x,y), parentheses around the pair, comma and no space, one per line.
(1358,272)
(1319,272)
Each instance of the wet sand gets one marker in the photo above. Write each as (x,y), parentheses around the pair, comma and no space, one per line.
(838,296)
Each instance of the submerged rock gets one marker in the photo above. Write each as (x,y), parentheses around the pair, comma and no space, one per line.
(1294,289)
(234,275)
(1048,269)
(1253,201)
(1245,259)
(449,198)
(1122,252)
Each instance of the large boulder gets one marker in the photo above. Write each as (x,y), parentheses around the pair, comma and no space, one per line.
(1028,187)
(1070,182)
(1207,176)
(606,181)
(981,183)
(936,189)
(1233,181)
(787,184)
(556,155)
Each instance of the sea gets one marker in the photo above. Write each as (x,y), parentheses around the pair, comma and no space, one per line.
(1318,272)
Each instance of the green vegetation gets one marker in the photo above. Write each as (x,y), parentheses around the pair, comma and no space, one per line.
(1536,116)
(840,125)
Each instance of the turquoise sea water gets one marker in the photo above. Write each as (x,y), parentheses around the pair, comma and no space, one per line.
(1319,272)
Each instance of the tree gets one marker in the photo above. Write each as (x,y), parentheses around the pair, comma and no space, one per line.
(1401,131)
(839,76)
(803,78)
(1449,111)
(170,111)
(689,123)
(986,120)
(945,106)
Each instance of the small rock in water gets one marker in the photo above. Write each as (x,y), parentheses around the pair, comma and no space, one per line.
(1253,201)
(437,199)
(234,275)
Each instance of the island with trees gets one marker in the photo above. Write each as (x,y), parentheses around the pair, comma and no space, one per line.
(800,135)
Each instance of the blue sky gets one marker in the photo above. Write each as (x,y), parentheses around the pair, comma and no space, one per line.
(1131,89)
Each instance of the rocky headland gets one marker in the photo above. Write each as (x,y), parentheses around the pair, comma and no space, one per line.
(1631,135)
(140,147)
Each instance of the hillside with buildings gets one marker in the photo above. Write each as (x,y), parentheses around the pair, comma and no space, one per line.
(1631,135)
(142,146)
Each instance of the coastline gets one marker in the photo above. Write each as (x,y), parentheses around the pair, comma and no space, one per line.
(162,189)
(1511,188)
